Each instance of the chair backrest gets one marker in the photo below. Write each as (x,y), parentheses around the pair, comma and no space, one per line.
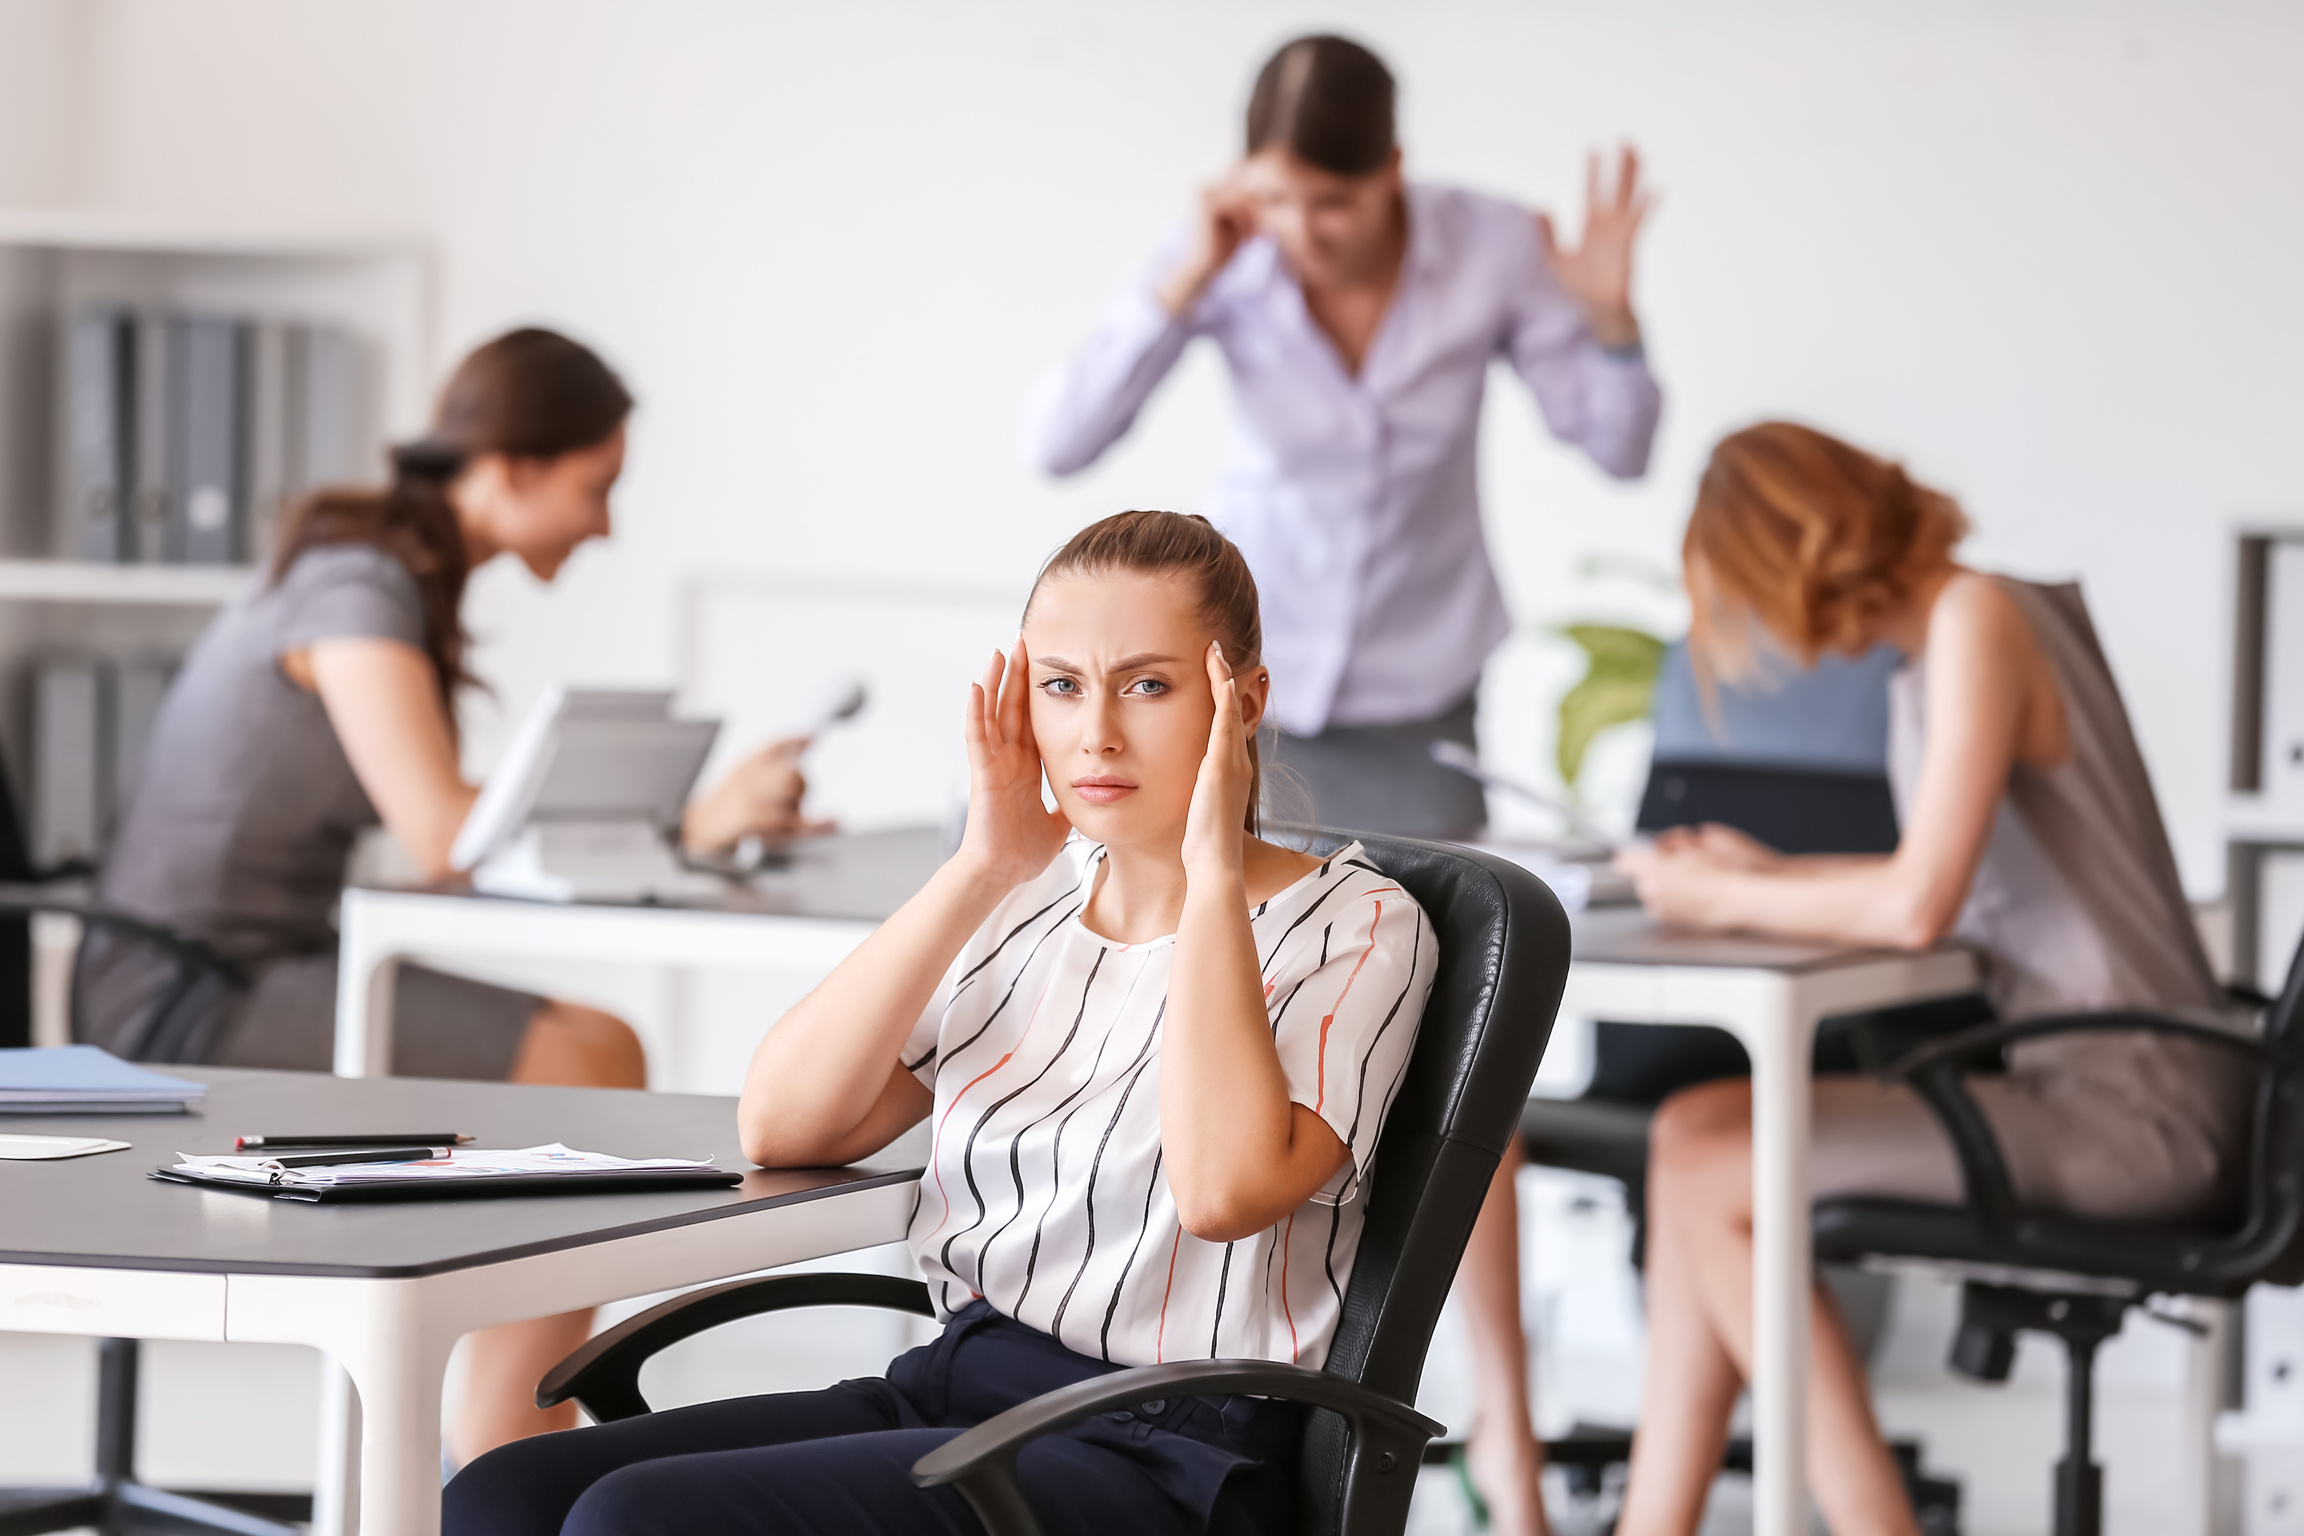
(1503,944)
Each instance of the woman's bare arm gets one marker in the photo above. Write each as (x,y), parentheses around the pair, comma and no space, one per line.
(1240,1153)
(383,701)
(1978,701)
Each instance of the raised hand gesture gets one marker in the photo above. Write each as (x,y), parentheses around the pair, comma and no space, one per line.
(1011,834)
(1223,221)
(1598,272)
(1215,824)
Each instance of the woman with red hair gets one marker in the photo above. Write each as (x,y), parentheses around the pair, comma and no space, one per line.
(2029,831)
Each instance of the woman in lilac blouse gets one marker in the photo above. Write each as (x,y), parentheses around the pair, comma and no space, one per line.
(1358,313)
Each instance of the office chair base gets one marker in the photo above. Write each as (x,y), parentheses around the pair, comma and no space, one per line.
(132,1509)
(1985,1348)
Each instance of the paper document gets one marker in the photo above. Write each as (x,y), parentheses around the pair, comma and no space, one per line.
(41,1149)
(550,1161)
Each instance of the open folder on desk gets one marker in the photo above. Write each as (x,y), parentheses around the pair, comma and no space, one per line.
(546,1170)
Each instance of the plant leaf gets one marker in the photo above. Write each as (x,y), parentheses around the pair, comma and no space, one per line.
(1619,686)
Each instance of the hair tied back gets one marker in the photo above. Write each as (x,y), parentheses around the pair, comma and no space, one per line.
(427,458)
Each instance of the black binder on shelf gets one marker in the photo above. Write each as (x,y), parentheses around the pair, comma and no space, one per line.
(98,364)
(207,479)
(152,414)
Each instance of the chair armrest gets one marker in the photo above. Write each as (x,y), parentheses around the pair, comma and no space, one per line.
(1388,1437)
(604,1375)
(27,898)
(1934,1073)
(1968,1042)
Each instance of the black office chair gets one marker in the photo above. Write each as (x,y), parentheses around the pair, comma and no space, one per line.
(2074,1278)
(191,977)
(1503,963)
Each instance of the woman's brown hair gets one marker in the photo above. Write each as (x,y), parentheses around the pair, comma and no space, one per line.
(1327,101)
(529,394)
(1188,546)
(1808,538)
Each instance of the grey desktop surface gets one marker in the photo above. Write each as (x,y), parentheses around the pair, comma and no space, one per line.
(847,876)
(105,1211)
(1628,936)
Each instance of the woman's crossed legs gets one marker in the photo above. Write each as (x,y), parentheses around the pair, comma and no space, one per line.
(1700,1339)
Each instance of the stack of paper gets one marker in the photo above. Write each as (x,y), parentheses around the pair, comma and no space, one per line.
(529,1170)
(82,1080)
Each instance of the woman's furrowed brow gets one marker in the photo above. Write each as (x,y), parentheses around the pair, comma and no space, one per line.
(1124,664)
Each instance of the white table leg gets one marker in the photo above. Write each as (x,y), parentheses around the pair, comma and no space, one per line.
(336,1483)
(366,963)
(1779,1034)
(395,1348)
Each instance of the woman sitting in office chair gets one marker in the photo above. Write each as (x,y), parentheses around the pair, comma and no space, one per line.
(324,698)
(2029,831)
(1158,1050)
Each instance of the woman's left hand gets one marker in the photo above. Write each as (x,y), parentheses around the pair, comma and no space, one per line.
(1598,272)
(760,797)
(1216,825)
(1678,882)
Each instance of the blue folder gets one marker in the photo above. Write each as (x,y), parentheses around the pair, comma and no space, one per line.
(83,1080)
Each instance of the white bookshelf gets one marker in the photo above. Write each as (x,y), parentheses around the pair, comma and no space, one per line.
(85,581)
(376,285)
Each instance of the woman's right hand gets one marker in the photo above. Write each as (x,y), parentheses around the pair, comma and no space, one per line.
(1224,220)
(1012,835)
(1722,845)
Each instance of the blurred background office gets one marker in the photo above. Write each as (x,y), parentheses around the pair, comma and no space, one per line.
(2045,248)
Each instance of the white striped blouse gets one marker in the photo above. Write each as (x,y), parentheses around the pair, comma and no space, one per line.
(1044,1193)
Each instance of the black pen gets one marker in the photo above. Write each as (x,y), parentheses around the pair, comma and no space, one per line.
(380,1155)
(381,1139)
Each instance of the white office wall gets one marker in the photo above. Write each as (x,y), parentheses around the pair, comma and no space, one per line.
(40,62)
(2045,250)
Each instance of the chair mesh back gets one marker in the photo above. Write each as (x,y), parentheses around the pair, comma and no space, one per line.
(1503,964)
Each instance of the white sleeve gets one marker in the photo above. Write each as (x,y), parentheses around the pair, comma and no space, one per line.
(1604,401)
(1089,401)
(1345,1007)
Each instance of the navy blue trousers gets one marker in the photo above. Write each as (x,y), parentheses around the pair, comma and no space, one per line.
(840,1460)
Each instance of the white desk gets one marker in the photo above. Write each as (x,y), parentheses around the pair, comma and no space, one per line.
(805,915)
(1770,995)
(93,1247)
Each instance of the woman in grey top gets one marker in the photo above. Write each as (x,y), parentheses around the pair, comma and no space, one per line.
(321,703)
(2029,830)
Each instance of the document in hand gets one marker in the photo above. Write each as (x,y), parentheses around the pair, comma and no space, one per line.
(551,1169)
(82,1080)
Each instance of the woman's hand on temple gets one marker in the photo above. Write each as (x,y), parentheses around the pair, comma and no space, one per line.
(1011,833)
(1598,272)
(1224,220)
(1215,826)
(760,797)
